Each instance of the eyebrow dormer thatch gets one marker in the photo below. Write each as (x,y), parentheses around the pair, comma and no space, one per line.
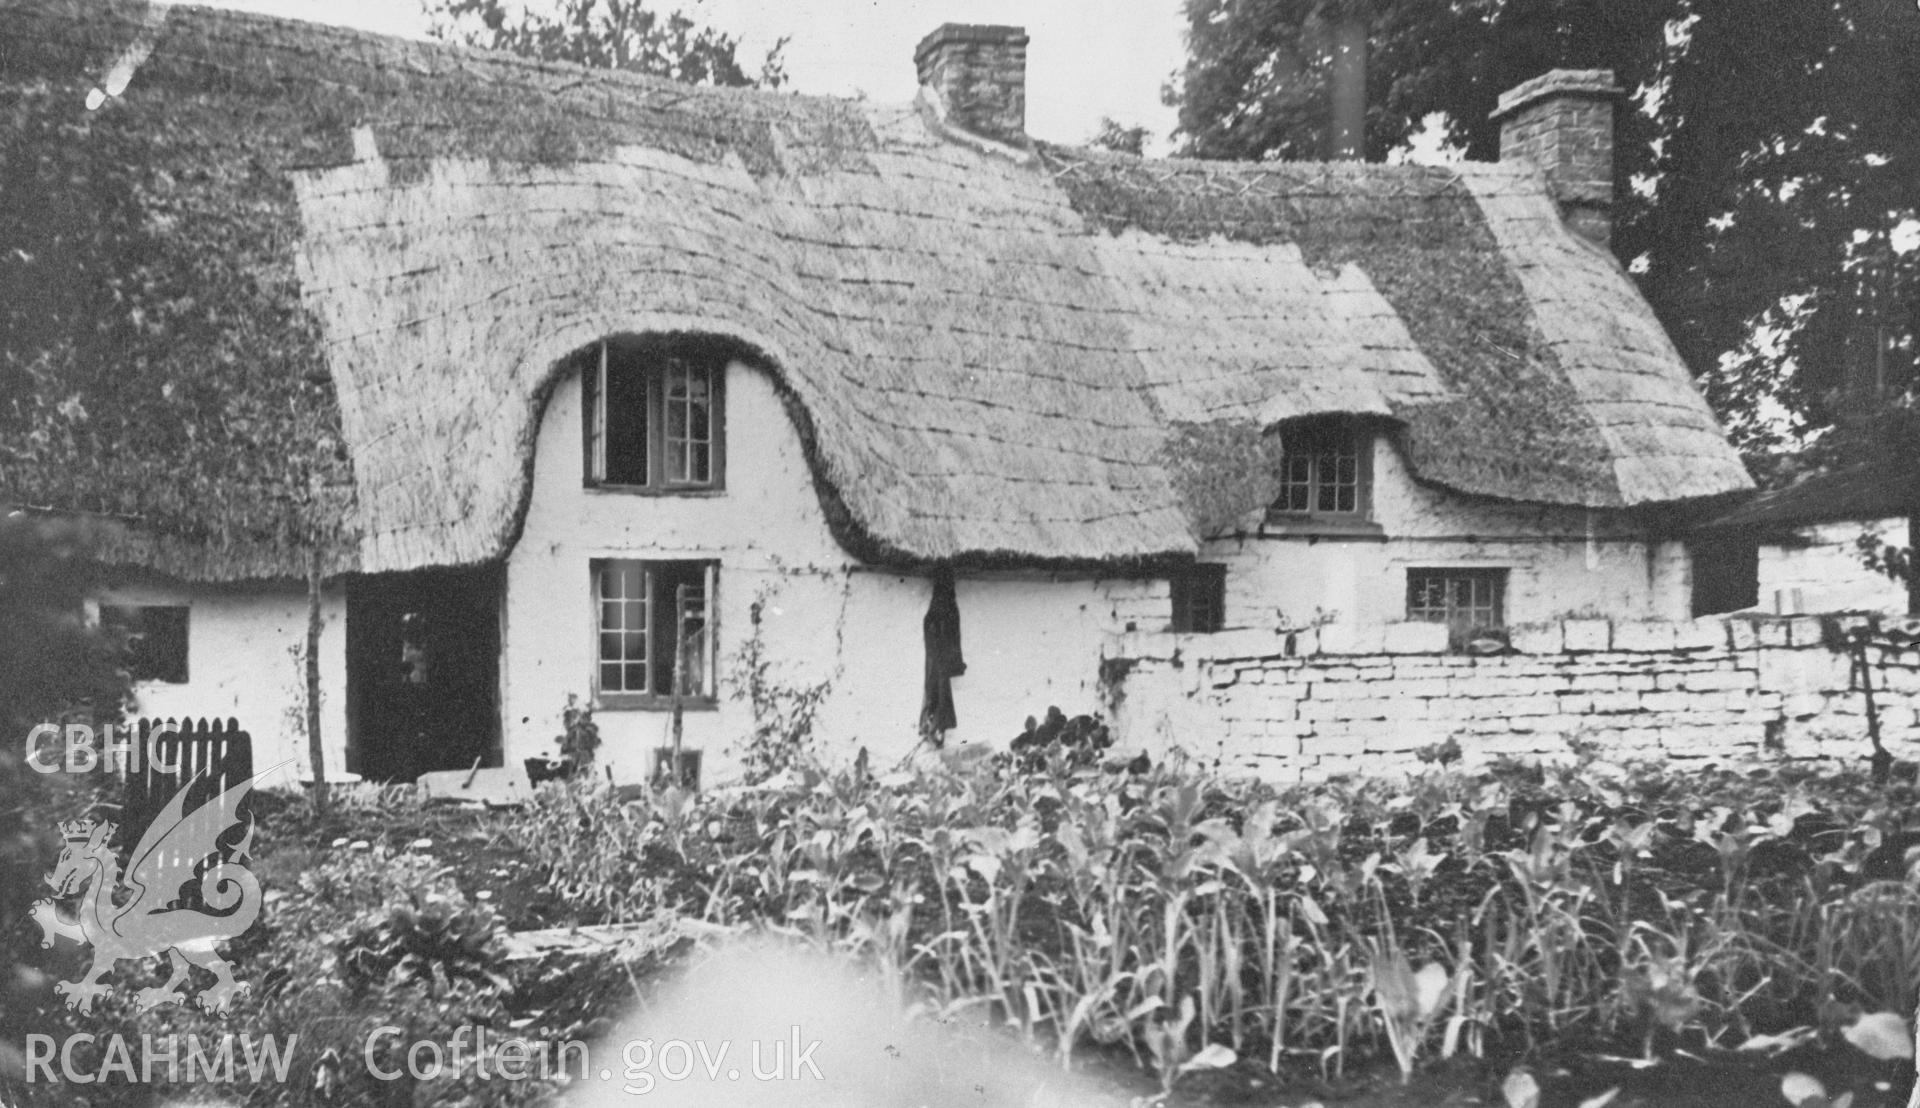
(299,283)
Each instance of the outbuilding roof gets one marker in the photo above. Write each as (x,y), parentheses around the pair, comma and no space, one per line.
(1863,493)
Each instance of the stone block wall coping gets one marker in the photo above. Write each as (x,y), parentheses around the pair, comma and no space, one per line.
(1709,634)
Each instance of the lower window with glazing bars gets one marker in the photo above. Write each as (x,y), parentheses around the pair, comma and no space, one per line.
(654,632)
(1471,602)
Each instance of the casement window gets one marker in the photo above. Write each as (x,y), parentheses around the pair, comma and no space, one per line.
(654,417)
(653,618)
(1200,598)
(156,637)
(1326,475)
(1468,601)
(1325,469)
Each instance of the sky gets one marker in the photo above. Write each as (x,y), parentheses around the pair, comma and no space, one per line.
(1088,59)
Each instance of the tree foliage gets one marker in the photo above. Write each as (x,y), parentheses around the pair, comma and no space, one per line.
(53,665)
(1765,164)
(607,34)
(1112,135)
(54,668)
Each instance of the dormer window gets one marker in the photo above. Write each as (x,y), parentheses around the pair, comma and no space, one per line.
(1326,477)
(654,418)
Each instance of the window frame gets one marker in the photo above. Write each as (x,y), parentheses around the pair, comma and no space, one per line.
(1356,522)
(1458,635)
(132,617)
(654,362)
(1211,579)
(707,697)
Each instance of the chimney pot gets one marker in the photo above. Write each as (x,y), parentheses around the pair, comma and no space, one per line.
(980,72)
(1562,121)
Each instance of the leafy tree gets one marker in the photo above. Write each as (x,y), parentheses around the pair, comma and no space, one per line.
(53,665)
(606,34)
(54,668)
(1122,140)
(1764,165)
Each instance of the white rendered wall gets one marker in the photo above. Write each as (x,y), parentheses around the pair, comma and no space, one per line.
(246,660)
(1822,571)
(766,531)
(1562,562)
(1029,640)
(1035,642)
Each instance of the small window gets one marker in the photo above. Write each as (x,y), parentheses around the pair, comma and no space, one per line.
(1468,601)
(1200,598)
(654,417)
(1326,473)
(653,620)
(156,640)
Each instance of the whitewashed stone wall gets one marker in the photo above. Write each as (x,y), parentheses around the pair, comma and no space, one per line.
(1560,562)
(1361,700)
(1820,570)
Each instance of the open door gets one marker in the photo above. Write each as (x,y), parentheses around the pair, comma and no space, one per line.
(423,672)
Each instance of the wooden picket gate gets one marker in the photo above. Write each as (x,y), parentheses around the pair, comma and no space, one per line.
(218,751)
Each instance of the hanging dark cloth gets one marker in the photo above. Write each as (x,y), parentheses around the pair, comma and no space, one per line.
(944,661)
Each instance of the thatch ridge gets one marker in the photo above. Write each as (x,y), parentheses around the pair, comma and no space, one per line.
(985,358)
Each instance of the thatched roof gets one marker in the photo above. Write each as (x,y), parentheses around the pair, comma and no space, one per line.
(304,283)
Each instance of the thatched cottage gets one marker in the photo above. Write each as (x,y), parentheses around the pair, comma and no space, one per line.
(571,383)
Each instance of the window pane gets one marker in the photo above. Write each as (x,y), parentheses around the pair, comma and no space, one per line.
(1297,483)
(623,624)
(688,456)
(1325,497)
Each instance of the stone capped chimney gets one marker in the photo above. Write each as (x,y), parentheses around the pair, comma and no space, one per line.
(980,73)
(1562,121)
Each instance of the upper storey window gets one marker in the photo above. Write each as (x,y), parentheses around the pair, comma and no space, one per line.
(1326,476)
(654,418)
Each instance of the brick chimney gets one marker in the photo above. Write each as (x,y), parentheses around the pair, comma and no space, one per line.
(980,73)
(1562,121)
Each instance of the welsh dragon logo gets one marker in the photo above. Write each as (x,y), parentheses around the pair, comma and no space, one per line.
(148,920)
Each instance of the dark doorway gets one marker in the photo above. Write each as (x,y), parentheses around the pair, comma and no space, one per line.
(1726,573)
(423,672)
